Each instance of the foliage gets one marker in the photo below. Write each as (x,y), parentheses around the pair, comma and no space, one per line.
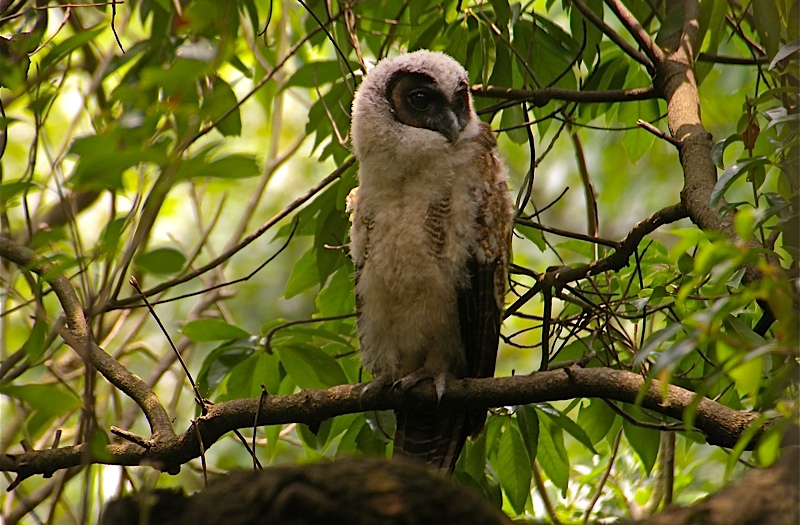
(161,160)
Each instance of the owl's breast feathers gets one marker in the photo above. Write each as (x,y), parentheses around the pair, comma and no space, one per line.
(431,253)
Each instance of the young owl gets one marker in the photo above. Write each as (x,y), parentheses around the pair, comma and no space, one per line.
(430,239)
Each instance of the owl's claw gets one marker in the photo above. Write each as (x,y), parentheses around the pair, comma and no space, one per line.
(412,379)
(376,384)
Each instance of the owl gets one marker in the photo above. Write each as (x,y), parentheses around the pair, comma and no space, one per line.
(430,240)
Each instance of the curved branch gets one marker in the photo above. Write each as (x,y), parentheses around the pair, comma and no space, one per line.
(77,335)
(721,425)
(617,260)
(541,97)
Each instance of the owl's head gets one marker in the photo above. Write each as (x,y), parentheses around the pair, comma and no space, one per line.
(415,102)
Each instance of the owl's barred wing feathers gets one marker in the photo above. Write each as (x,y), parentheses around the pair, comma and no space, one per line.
(430,242)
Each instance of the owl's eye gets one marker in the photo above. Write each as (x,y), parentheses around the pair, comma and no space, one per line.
(419,99)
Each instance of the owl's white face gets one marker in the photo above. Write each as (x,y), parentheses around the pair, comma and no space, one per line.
(412,106)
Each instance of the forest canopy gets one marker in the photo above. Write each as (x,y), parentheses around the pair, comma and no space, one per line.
(177,298)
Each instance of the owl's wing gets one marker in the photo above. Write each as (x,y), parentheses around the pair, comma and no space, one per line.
(480,303)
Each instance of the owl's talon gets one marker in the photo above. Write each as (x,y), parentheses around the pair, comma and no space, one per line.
(378,383)
(411,380)
(439,384)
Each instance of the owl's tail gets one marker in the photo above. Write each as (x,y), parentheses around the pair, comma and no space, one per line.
(436,437)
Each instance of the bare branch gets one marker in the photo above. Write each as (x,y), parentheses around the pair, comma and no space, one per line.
(653,52)
(541,97)
(628,49)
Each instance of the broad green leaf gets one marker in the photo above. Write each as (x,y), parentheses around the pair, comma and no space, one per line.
(789,49)
(313,74)
(46,402)
(718,150)
(552,455)
(245,378)
(569,425)
(204,330)
(745,369)
(35,346)
(9,190)
(768,24)
(514,468)
(304,275)
(218,364)
(230,167)
(61,50)
(528,428)
(221,100)
(160,261)
(310,367)
(644,441)
(730,175)
(338,296)
(104,158)
(596,419)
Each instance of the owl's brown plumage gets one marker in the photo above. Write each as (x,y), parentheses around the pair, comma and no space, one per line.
(430,240)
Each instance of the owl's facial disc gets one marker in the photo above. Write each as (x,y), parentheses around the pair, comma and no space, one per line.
(417,101)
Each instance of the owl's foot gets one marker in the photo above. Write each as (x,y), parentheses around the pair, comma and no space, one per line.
(412,379)
(378,383)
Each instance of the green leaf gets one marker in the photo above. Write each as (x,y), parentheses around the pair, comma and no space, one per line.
(644,441)
(730,175)
(532,234)
(304,275)
(718,150)
(204,330)
(230,167)
(9,190)
(61,50)
(218,364)
(596,419)
(789,49)
(245,378)
(160,261)
(35,346)
(313,74)
(220,100)
(310,367)
(514,468)
(104,158)
(552,454)
(567,424)
(338,297)
(528,428)
(98,444)
(767,20)
(47,402)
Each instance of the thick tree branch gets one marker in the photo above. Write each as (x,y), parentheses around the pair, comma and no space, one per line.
(721,425)
(676,80)
(542,97)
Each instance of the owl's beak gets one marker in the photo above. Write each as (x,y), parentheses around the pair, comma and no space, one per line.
(449,125)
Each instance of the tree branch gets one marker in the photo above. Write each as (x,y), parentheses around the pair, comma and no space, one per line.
(541,97)
(628,49)
(617,260)
(77,335)
(721,425)
(653,52)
